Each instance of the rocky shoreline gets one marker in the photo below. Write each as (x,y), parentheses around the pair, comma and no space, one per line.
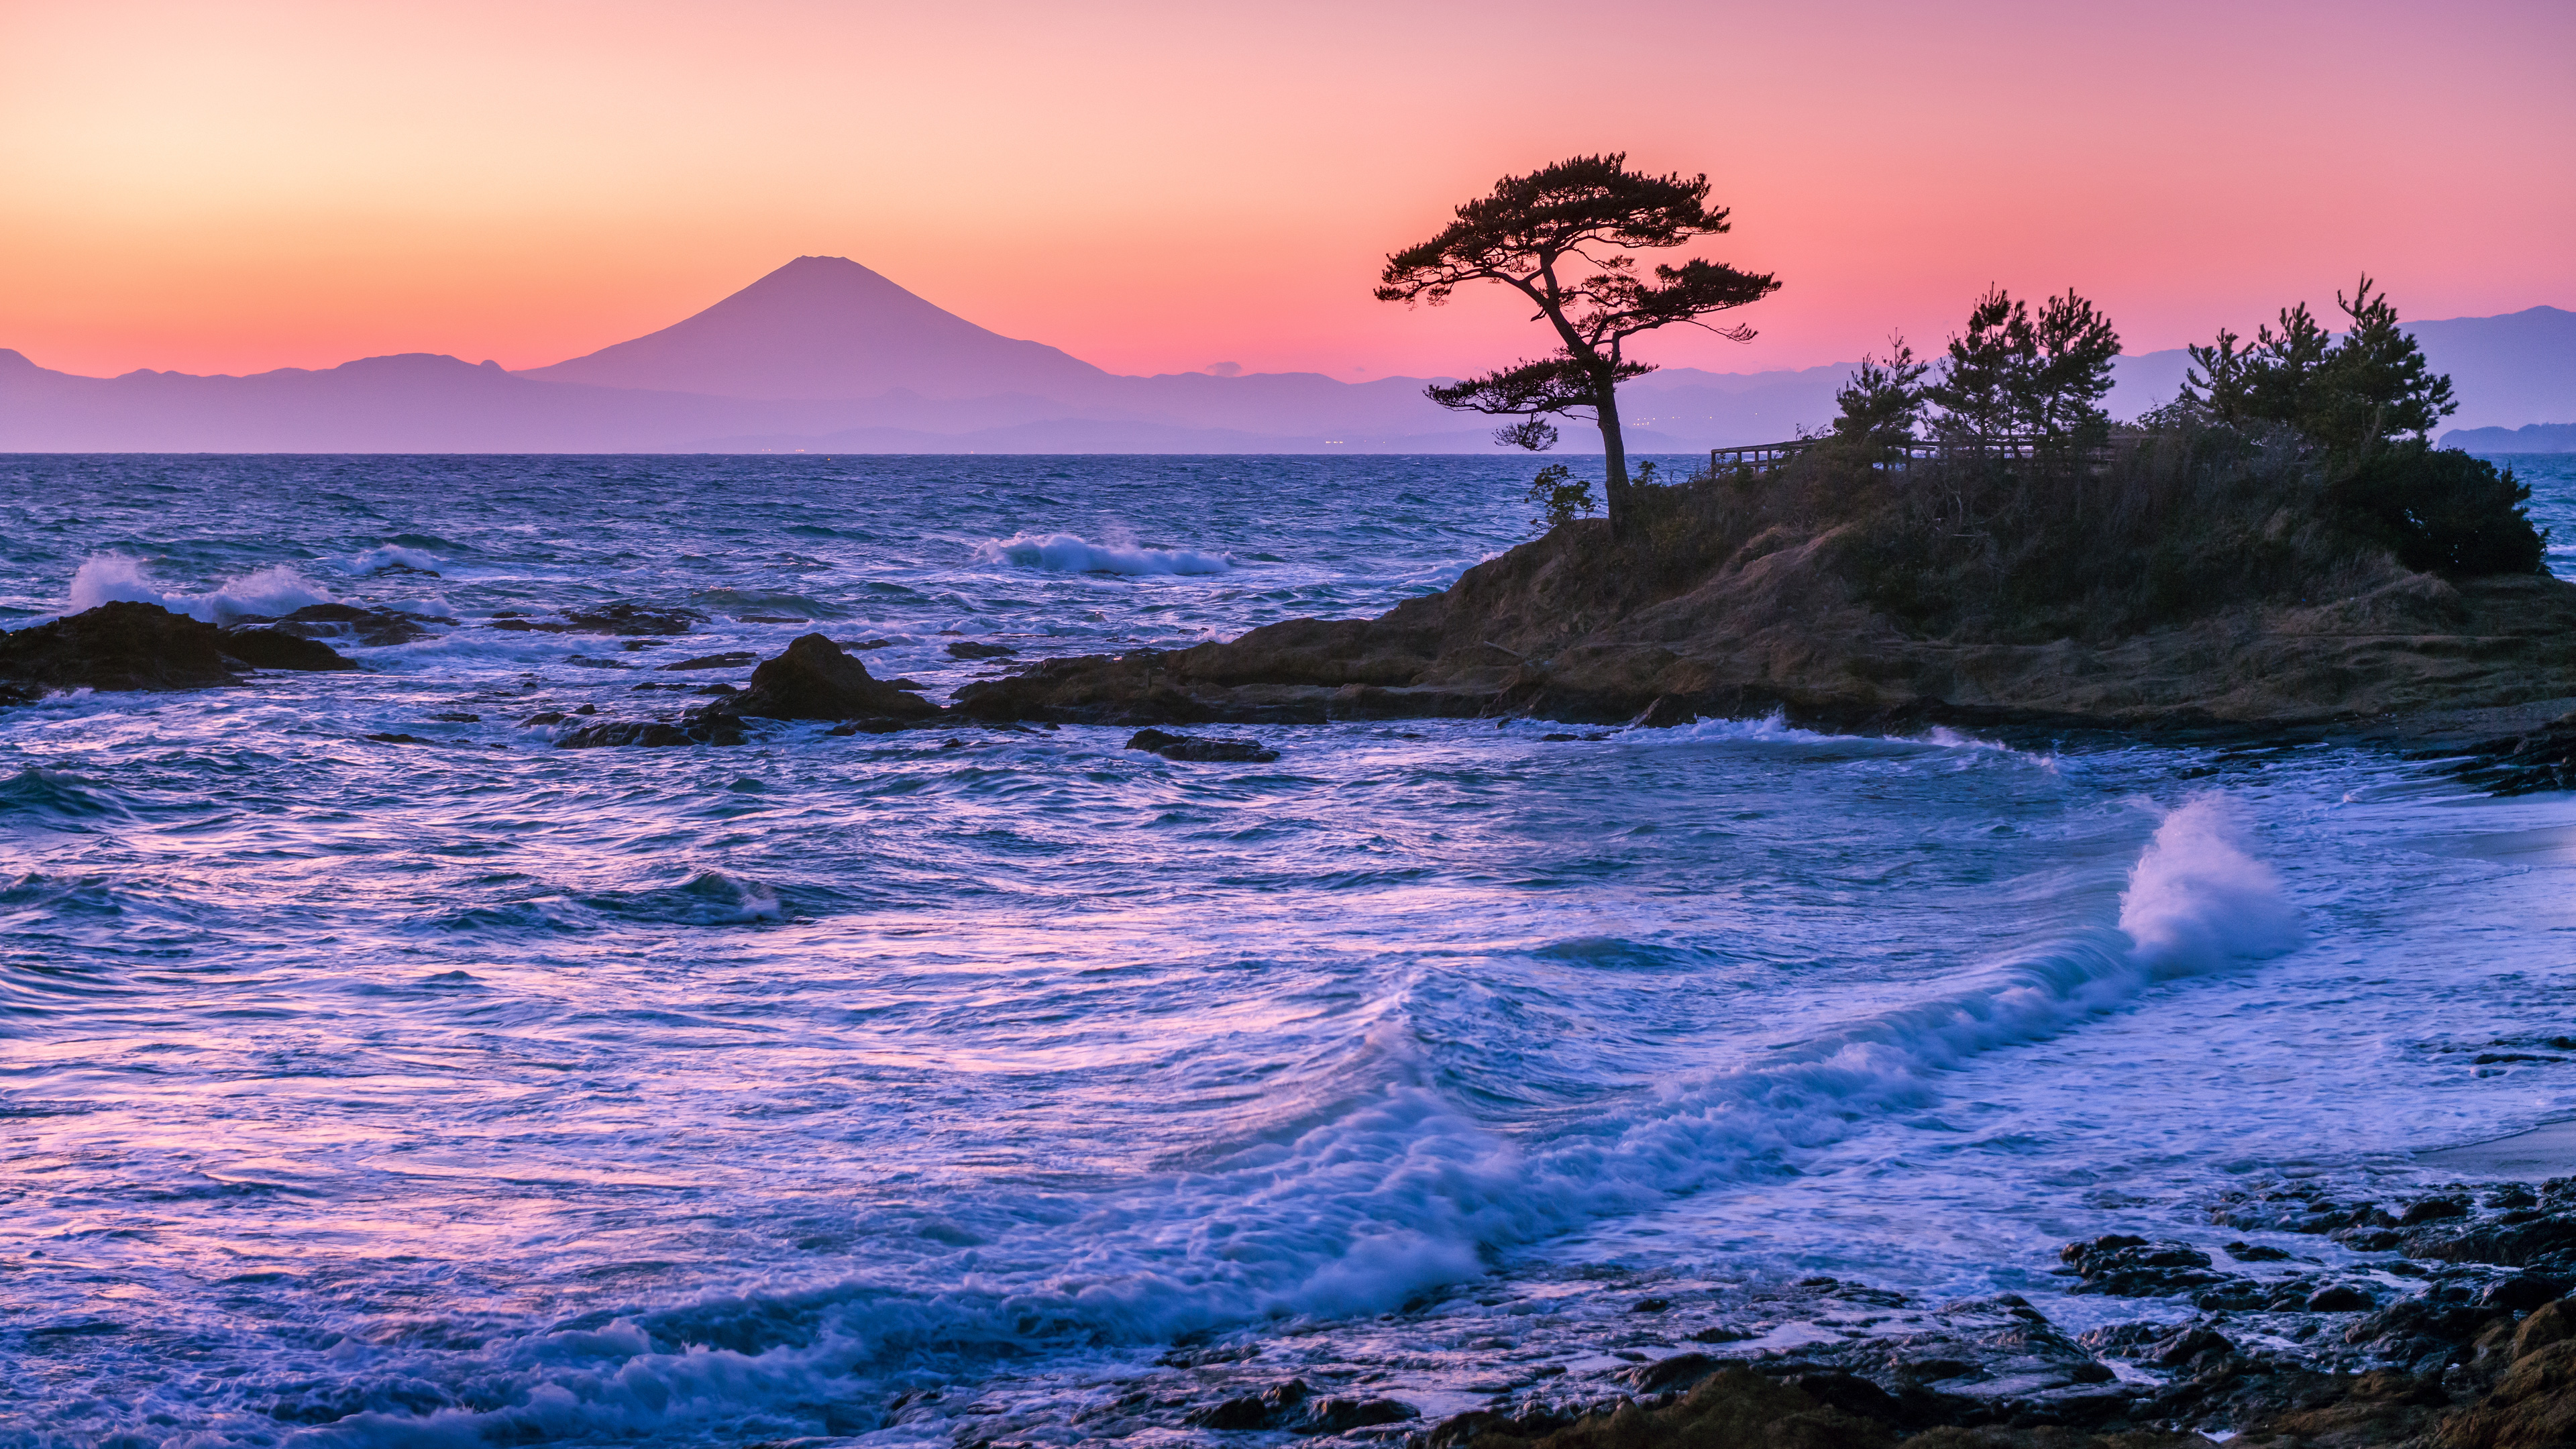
(2445,1321)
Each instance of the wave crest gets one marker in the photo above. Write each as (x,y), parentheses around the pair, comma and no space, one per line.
(1067,553)
(106,578)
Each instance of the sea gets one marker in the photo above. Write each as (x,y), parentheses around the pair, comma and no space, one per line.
(463,1090)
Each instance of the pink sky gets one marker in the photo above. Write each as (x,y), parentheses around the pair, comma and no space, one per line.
(228,187)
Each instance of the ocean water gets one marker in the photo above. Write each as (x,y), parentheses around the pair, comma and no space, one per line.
(872,1088)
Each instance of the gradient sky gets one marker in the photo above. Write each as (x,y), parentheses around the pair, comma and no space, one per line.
(228,187)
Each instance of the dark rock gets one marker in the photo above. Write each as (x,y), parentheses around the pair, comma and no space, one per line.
(2254,1253)
(2510,1244)
(971,649)
(1650,1305)
(733,660)
(813,679)
(867,727)
(399,740)
(265,648)
(2129,1267)
(1665,1373)
(351,623)
(1720,1333)
(457,717)
(1340,1416)
(2431,1209)
(1665,713)
(2521,1293)
(118,646)
(649,732)
(2339,1298)
(635,619)
(546,717)
(2544,759)
(1276,1407)
(1191,748)
(2186,1345)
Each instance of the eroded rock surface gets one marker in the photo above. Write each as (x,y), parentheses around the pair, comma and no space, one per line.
(1551,629)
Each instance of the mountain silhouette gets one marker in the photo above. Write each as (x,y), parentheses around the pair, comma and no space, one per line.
(826,327)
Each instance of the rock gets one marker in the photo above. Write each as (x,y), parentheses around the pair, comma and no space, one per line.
(1665,713)
(1205,751)
(1276,1407)
(649,732)
(813,679)
(2521,1293)
(2544,759)
(2339,1298)
(2533,1405)
(400,740)
(972,649)
(350,623)
(2551,1323)
(1665,1373)
(2130,1267)
(2185,1345)
(1340,1416)
(635,619)
(144,646)
(265,648)
(733,660)
(457,717)
(2254,1253)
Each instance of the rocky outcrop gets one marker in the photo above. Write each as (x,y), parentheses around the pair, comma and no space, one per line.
(628,619)
(1203,751)
(814,679)
(349,624)
(120,646)
(1556,629)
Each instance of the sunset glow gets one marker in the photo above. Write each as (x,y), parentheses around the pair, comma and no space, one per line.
(1159,187)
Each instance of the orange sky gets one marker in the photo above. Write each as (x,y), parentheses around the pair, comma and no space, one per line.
(227,187)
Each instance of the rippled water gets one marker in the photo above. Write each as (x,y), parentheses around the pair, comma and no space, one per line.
(477,1091)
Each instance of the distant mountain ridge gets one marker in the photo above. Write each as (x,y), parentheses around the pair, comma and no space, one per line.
(825,355)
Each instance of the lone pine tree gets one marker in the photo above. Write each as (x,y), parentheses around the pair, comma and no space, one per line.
(1538,234)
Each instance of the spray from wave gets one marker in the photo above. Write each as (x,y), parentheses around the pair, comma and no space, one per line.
(113,577)
(1068,554)
(1400,1194)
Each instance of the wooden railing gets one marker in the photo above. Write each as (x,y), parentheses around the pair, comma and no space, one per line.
(1770,457)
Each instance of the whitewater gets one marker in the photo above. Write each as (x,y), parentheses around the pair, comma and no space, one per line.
(457,1089)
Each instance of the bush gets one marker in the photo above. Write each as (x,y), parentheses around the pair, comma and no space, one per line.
(2442,511)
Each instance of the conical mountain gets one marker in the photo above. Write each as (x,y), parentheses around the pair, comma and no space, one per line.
(826,327)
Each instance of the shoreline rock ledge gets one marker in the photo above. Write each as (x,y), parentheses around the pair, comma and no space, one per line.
(1564,628)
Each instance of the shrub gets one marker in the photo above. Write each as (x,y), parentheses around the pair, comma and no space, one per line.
(2441,511)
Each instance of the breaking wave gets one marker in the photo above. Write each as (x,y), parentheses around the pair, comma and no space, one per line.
(106,578)
(1067,554)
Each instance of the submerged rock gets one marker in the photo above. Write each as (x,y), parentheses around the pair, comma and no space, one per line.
(815,680)
(350,623)
(126,645)
(1203,751)
(971,649)
(650,732)
(266,648)
(629,619)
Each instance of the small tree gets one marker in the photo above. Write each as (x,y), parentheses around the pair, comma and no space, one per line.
(1981,376)
(1530,234)
(1883,402)
(2352,395)
(2012,376)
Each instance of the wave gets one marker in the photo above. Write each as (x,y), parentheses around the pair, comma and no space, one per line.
(105,578)
(1401,1194)
(1067,554)
(391,555)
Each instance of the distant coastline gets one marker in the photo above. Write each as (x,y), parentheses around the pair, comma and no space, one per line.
(2531,438)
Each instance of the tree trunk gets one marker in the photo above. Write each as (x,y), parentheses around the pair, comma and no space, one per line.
(1614,457)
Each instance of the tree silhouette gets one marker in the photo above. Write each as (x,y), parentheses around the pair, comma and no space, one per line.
(1531,231)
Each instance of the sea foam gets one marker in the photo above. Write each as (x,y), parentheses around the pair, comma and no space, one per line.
(1069,554)
(114,577)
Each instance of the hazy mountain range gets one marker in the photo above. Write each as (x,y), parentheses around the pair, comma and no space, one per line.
(824,355)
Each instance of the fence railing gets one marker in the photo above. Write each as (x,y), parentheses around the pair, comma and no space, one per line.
(1770,457)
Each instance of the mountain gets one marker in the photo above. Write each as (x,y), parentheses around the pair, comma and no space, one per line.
(824,355)
(2530,438)
(826,327)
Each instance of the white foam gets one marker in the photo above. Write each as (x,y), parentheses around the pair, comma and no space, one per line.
(113,577)
(1068,554)
(377,560)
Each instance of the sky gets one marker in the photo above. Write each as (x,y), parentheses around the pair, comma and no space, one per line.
(230,187)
